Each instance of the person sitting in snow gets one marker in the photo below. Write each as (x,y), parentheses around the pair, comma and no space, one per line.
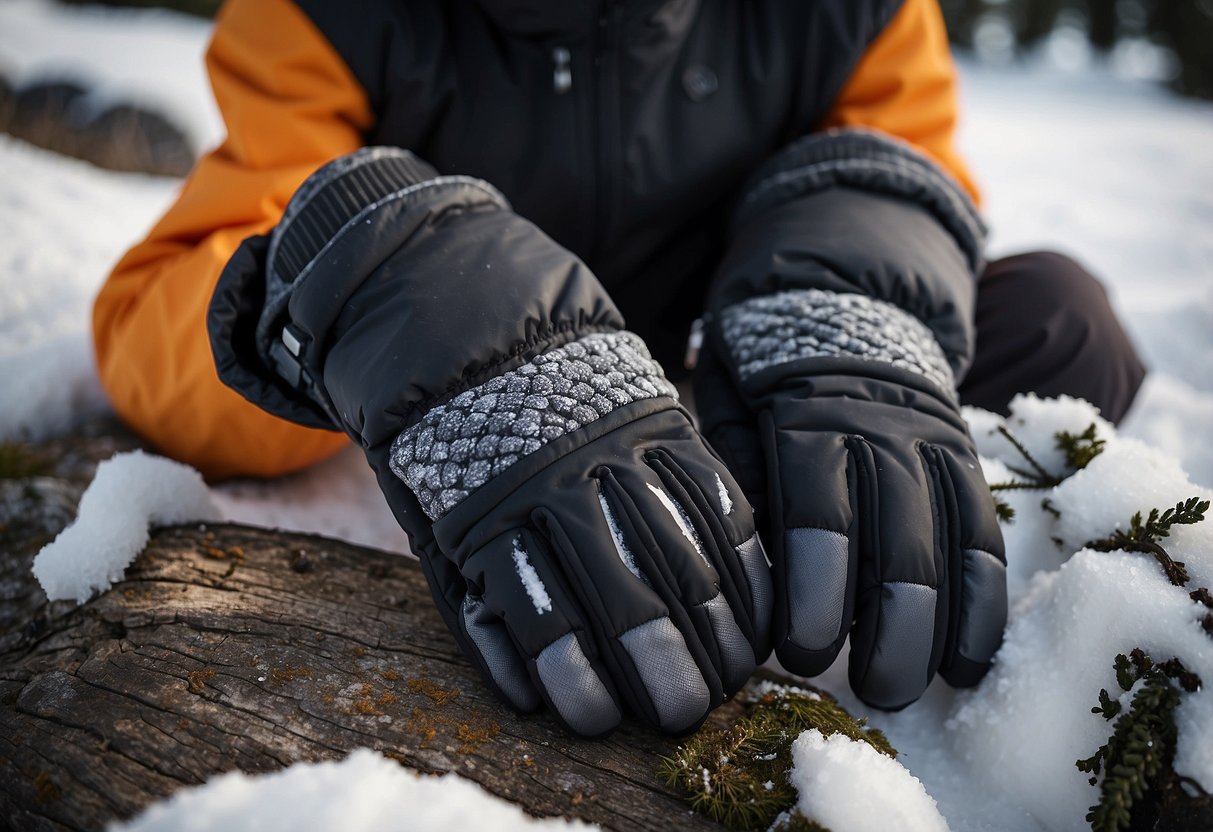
(424,231)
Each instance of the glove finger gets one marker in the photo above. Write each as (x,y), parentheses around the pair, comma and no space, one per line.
(900,614)
(740,614)
(673,554)
(978,590)
(728,425)
(727,524)
(648,655)
(480,634)
(813,548)
(519,582)
(496,654)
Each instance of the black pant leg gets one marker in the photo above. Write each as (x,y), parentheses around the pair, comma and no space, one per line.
(1044,326)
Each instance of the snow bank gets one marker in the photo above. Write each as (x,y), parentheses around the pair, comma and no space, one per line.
(365,792)
(1031,719)
(849,786)
(151,57)
(1173,417)
(48,389)
(131,492)
(1028,722)
(66,223)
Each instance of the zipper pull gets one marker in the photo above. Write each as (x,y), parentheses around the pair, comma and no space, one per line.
(562,78)
(694,344)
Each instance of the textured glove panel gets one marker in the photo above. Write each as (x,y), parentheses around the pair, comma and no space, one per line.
(462,444)
(811,323)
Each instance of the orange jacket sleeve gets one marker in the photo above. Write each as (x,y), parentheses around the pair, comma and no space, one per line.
(290,104)
(905,85)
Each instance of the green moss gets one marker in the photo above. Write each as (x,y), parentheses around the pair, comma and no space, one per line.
(20,460)
(739,776)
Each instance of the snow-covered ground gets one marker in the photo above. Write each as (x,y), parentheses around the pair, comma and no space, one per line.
(1117,174)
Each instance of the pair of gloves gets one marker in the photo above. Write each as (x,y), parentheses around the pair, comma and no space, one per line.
(587,547)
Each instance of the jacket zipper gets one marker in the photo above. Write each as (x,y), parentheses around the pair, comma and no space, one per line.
(605,132)
(562,75)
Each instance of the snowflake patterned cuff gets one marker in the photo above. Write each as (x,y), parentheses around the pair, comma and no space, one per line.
(462,444)
(812,323)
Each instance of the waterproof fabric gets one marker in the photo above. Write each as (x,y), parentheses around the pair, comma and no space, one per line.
(1045,325)
(829,388)
(587,548)
(634,166)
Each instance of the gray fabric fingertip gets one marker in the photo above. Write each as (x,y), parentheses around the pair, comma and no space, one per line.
(574,688)
(672,679)
(504,664)
(758,571)
(816,561)
(736,655)
(897,671)
(983,610)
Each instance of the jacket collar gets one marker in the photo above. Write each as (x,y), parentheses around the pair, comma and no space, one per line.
(574,19)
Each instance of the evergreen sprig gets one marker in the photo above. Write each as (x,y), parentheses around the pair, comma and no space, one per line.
(1077,448)
(739,776)
(1143,536)
(1137,756)
(1006,514)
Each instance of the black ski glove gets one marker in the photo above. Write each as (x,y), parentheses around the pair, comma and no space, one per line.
(585,546)
(838,325)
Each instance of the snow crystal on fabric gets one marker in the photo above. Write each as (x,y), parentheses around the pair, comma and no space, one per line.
(681,519)
(809,323)
(461,445)
(621,544)
(726,502)
(531,582)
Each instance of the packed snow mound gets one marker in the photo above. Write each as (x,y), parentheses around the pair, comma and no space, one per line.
(1030,719)
(1076,609)
(849,786)
(365,792)
(131,492)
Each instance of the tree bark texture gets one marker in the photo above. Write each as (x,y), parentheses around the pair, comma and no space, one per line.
(231,647)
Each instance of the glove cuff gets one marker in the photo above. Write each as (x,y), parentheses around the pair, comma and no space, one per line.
(462,444)
(867,161)
(331,197)
(331,202)
(776,329)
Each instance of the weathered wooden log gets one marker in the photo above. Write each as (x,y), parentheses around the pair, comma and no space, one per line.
(233,647)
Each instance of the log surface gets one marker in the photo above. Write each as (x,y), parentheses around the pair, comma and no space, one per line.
(232,647)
